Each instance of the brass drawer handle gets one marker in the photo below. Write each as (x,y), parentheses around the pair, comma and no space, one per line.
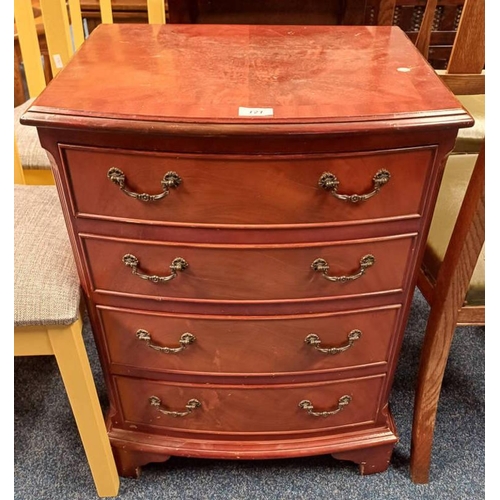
(170,180)
(329,182)
(191,405)
(186,339)
(178,265)
(315,341)
(321,266)
(308,406)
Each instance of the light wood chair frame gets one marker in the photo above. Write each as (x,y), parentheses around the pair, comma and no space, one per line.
(62,40)
(67,345)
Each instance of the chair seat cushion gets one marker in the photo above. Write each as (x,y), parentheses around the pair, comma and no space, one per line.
(46,284)
(456,178)
(31,153)
(469,140)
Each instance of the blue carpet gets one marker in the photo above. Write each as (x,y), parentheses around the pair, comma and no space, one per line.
(50,463)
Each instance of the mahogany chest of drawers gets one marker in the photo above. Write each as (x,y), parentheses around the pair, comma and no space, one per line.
(247,207)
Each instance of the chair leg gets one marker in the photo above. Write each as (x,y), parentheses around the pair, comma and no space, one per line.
(451,287)
(39,177)
(74,366)
(435,352)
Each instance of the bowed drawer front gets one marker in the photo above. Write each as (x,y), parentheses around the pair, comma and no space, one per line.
(247,224)
(249,409)
(173,343)
(221,189)
(154,269)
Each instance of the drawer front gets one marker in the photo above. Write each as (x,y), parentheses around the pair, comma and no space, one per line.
(248,409)
(214,345)
(246,190)
(246,272)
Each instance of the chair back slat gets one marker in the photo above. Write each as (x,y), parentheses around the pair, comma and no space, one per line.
(468,53)
(106,11)
(75,13)
(156,11)
(57,34)
(30,48)
(424,34)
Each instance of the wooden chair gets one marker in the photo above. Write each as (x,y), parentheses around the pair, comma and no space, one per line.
(53,23)
(452,278)
(63,33)
(409,15)
(464,74)
(47,319)
(20,90)
(124,11)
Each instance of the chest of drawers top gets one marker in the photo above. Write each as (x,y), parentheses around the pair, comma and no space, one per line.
(206,80)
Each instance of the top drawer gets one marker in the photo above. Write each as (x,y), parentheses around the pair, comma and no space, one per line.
(247,190)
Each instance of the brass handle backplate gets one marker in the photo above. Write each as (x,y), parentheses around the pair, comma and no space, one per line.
(321,266)
(186,339)
(191,405)
(308,406)
(178,265)
(170,180)
(329,182)
(313,340)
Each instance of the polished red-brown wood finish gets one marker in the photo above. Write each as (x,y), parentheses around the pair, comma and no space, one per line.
(286,186)
(250,347)
(219,341)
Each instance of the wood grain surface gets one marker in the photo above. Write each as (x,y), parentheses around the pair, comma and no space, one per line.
(271,345)
(248,409)
(304,73)
(239,272)
(257,189)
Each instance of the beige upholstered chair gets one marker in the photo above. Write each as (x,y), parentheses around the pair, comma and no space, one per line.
(61,37)
(47,318)
(470,140)
(456,178)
